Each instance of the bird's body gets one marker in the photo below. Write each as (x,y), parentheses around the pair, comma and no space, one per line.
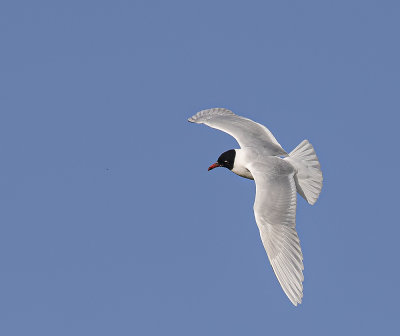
(278,176)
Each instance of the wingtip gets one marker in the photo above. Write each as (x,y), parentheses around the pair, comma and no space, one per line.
(205,115)
(296,300)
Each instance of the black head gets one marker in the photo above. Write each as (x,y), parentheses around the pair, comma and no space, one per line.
(226,160)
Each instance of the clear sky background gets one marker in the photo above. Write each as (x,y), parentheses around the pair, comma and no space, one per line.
(110,223)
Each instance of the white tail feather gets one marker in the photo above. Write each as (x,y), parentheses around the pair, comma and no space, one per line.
(309,176)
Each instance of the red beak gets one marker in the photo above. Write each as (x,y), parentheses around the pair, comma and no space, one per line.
(215,165)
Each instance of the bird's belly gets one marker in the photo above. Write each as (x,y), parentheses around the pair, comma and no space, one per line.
(243,172)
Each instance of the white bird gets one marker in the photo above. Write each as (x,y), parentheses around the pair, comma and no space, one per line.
(277,176)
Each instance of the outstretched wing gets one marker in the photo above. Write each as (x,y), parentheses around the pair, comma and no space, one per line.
(246,132)
(275,213)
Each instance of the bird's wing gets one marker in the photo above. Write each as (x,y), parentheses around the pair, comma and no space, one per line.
(246,132)
(275,213)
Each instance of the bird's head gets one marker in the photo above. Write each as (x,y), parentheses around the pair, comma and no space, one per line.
(226,160)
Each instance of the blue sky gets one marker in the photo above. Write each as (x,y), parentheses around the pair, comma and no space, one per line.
(110,222)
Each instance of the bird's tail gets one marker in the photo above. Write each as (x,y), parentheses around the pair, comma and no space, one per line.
(309,176)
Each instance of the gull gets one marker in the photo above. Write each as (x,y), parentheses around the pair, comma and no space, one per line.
(278,176)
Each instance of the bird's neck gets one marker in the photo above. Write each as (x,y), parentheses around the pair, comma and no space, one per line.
(239,168)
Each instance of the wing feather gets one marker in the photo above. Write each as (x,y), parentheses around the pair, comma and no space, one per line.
(246,132)
(275,213)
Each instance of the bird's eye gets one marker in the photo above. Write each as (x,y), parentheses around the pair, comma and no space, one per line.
(226,161)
